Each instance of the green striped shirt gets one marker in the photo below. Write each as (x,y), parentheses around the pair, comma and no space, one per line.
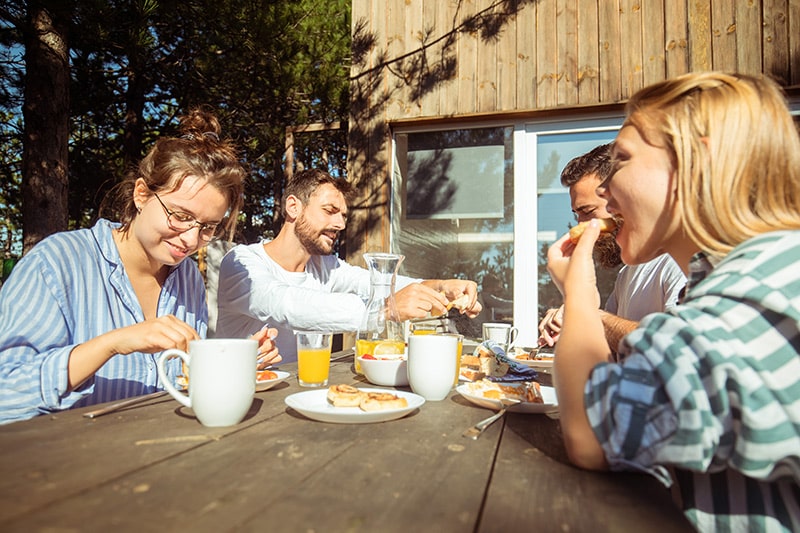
(708,394)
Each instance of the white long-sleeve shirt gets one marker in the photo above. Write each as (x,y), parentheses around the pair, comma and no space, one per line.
(254,290)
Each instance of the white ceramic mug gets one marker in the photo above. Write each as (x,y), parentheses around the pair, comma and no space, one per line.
(501,333)
(222,379)
(432,365)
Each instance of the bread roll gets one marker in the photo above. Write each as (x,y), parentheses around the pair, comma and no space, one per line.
(382,401)
(344,396)
(459,303)
(606,224)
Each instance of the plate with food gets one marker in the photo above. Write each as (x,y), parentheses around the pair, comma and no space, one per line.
(346,404)
(536,358)
(266,379)
(534,398)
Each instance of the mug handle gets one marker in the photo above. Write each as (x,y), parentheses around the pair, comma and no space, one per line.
(162,374)
(514,332)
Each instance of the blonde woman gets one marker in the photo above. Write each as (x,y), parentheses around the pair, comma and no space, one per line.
(85,313)
(707,396)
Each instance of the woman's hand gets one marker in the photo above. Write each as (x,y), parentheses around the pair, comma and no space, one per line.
(151,336)
(571,266)
(267,349)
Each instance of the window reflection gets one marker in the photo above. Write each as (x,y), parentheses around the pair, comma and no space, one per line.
(454,216)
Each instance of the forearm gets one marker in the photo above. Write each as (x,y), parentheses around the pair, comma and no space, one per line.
(86,358)
(581,346)
(616,328)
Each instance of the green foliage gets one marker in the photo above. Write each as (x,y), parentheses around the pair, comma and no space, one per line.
(136,65)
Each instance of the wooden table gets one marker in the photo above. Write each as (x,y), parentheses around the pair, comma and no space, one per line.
(153,467)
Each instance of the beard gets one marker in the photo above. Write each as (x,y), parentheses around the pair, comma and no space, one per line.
(607,252)
(312,239)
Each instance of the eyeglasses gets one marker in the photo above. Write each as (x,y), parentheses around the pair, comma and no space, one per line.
(183,222)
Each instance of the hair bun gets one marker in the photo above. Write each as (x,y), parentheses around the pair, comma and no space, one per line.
(200,123)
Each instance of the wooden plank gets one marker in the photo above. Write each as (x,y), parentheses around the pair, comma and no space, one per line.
(421,26)
(526,57)
(748,37)
(776,40)
(399,43)
(41,456)
(588,53)
(654,66)
(546,54)
(699,19)
(487,57)
(467,60)
(448,88)
(507,65)
(631,36)
(610,66)
(723,35)
(677,38)
(567,57)
(531,462)
(794,42)
(303,475)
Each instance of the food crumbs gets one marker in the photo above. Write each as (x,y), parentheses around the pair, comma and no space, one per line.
(143,487)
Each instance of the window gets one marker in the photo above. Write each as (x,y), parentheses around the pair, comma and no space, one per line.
(454,216)
(484,203)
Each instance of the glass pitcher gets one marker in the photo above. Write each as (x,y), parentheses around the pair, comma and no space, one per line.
(381,331)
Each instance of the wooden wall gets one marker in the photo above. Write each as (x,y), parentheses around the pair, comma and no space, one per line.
(423,60)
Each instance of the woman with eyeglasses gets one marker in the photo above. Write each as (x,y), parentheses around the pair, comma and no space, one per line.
(85,313)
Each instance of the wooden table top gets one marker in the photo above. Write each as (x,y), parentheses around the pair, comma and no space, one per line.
(153,467)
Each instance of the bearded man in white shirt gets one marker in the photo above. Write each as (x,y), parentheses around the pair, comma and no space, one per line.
(294,282)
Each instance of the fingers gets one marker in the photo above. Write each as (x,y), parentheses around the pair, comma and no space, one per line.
(268,358)
(154,335)
(454,289)
(418,301)
(550,326)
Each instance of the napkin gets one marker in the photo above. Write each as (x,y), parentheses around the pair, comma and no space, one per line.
(516,370)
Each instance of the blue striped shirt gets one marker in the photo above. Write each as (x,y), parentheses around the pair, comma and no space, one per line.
(709,393)
(70,288)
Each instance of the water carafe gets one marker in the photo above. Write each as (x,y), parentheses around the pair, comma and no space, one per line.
(381,331)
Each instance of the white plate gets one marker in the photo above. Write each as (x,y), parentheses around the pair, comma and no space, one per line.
(269,383)
(314,404)
(550,404)
(535,363)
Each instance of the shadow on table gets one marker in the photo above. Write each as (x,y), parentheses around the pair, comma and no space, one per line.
(255,407)
(541,431)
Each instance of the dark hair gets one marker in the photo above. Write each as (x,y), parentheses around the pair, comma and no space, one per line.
(597,161)
(199,152)
(306,182)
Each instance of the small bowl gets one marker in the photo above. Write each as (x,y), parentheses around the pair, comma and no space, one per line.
(269,383)
(387,372)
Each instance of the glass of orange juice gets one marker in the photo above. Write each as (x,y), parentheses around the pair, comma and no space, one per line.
(313,358)
(423,328)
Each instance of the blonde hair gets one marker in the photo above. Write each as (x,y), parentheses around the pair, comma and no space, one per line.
(200,152)
(735,150)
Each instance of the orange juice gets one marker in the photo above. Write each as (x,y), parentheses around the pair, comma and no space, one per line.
(377,348)
(313,365)
(423,329)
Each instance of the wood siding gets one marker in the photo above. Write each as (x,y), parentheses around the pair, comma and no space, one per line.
(453,59)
